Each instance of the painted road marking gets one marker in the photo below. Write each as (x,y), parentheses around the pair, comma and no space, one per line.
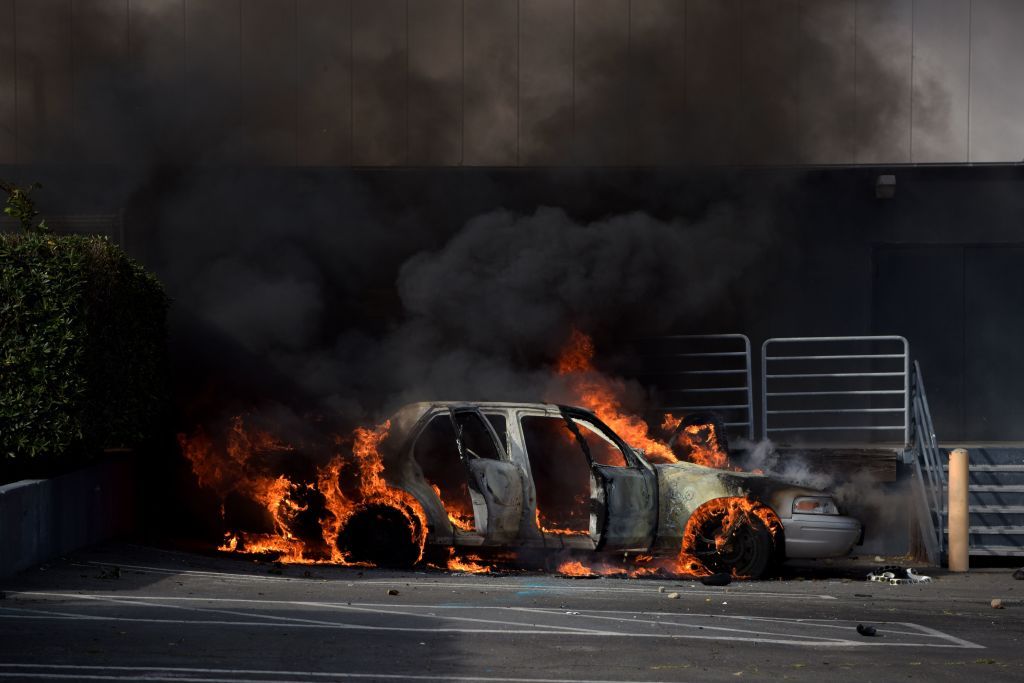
(195,572)
(616,623)
(153,673)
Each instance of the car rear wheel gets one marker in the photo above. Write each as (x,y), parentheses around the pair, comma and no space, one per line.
(380,535)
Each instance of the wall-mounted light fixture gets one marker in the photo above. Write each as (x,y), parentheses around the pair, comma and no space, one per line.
(885,186)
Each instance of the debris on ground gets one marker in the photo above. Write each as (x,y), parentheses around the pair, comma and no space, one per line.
(897,576)
(1019,574)
(914,577)
(110,572)
(867,631)
(720,579)
(392,591)
(997,603)
(672,596)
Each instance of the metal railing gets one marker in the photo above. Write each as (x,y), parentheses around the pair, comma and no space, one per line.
(815,389)
(930,481)
(703,373)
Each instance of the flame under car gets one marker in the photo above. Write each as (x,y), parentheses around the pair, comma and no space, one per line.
(535,475)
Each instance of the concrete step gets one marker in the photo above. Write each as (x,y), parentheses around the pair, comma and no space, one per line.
(994,529)
(990,537)
(996,474)
(995,455)
(997,550)
(996,516)
(999,495)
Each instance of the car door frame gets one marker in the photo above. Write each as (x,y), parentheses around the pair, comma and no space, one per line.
(606,507)
(501,510)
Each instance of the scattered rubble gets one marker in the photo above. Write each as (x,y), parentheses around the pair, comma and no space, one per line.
(897,576)
(997,604)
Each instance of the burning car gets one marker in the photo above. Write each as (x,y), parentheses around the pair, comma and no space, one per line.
(557,478)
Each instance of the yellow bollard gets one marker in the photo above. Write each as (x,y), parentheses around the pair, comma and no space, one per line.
(958,513)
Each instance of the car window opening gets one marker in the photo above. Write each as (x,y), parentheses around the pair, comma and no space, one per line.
(436,452)
(603,450)
(561,475)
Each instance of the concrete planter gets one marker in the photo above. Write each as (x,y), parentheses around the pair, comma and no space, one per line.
(41,519)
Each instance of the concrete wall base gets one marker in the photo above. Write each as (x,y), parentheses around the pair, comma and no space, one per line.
(41,519)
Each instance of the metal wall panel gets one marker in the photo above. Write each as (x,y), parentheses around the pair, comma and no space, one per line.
(380,104)
(546,82)
(269,82)
(44,80)
(713,80)
(212,72)
(657,59)
(769,131)
(993,330)
(883,81)
(8,87)
(157,129)
(325,82)
(827,81)
(941,45)
(99,38)
(435,82)
(996,82)
(929,312)
(491,118)
(601,88)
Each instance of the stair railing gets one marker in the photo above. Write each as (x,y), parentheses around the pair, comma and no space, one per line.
(930,480)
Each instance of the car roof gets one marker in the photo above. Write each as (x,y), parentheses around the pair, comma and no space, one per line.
(405,417)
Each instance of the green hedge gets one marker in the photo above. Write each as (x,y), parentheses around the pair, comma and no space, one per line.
(82,350)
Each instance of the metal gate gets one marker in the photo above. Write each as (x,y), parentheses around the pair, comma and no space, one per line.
(703,373)
(829,390)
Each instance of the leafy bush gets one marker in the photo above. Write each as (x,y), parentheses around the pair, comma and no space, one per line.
(82,350)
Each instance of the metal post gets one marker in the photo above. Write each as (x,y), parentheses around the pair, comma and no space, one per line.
(958,514)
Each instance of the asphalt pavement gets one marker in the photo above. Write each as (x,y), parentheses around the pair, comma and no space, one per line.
(124,612)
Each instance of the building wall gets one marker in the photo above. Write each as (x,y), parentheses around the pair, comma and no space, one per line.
(511,82)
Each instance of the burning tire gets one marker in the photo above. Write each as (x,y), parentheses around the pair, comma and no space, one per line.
(381,535)
(731,535)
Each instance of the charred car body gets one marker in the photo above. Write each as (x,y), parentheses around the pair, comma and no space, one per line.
(534,475)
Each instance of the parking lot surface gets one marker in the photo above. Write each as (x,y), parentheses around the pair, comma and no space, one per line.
(126,612)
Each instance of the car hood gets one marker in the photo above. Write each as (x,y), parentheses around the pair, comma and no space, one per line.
(684,486)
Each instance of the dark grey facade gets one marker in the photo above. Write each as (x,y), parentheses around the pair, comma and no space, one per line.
(206,128)
(512,82)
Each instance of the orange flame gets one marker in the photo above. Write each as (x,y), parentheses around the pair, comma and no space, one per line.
(470,564)
(574,568)
(545,527)
(700,442)
(601,395)
(728,514)
(235,469)
(460,520)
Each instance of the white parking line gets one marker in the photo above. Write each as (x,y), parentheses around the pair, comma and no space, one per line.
(799,632)
(153,673)
(195,572)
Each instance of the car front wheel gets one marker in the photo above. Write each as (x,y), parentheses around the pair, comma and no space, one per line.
(729,542)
